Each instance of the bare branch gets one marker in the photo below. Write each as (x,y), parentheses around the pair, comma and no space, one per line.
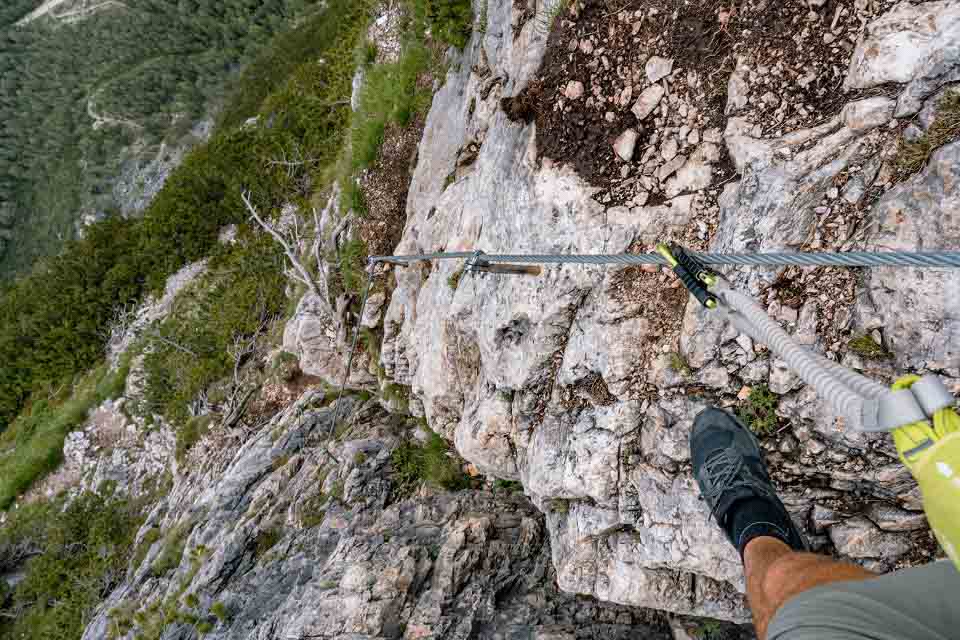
(288,248)
(170,343)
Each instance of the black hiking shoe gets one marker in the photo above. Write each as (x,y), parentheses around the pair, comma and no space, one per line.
(729,467)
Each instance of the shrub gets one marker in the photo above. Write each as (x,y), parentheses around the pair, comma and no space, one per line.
(759,410)
(83,553)
(451,21)
(171,555)
(432,463)
(38,435)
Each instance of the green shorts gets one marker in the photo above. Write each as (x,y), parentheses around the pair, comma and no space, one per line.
(922,603)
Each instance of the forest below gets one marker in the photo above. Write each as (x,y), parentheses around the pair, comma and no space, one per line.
(144,72)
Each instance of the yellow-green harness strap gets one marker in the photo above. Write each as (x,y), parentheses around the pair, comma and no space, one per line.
(931,450)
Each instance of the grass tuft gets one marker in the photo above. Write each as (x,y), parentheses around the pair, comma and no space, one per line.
(865,347)
(912,156)
(431,463)
(759,410)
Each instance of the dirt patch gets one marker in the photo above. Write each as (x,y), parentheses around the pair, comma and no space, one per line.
(603,56)
(386,185)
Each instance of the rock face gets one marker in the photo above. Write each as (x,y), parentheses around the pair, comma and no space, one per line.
(569,382)
(290,535)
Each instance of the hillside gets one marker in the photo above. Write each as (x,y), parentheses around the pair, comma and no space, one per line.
(102,99)
(509,456)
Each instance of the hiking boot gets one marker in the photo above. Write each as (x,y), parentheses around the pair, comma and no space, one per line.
(733,479)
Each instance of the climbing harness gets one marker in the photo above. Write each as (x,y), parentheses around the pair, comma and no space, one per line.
(918,411)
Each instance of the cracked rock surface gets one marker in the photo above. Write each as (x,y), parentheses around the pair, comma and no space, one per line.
(583,383)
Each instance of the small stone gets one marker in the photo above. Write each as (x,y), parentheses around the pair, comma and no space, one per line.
(610,116)
(586,46)
(574,90)
(671,167)
(648,101)
(625,96)
(770,99)
(625,145)
(860,538)
(669,148)
(833,193)
(693,137)
(890,518)
(658,68)
(744,393)
(828,38)
(573,44)
(823,517)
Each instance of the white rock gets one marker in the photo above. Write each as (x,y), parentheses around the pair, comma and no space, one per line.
(867,114)
(737,92)
(648,101)
(625,145)
(658,68)
(586,46)
(693,137)
(669,148)
(670,167)
(574,90)
(898,43)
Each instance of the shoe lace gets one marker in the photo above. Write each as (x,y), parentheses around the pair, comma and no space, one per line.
(723,471)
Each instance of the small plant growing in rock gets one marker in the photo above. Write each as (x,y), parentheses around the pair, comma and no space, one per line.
(219,609)
(707,630)
(326,585)
(204,627)
(286,366)
(510,486)
(913,155)
(866,347)
(431,463)
(454,280)
(679,364)
(266,540)
(759,410)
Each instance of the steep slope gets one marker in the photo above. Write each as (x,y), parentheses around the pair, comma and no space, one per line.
(583,383)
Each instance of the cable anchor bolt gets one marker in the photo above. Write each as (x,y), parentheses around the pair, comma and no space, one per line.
(477,263)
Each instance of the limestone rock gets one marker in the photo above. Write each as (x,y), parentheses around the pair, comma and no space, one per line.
(574,90)
(658,68)
(625,145)
(868,113)
(898,44)
(648,101)
(859,538)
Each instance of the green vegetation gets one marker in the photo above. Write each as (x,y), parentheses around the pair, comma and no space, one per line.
(326,585)
(51,320)
(510,486)
(912,156)
(759,410)
(171,555)
(454,280)
(219,609)
(679,364)
(266,540)
(451,21)
(433,463)
(149,538)
(81,554)
(866,347)
(82,97)
(204,627)
(38,434)
(708,630)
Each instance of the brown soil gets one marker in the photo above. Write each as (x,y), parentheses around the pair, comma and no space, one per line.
(783,42)
(386,185)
